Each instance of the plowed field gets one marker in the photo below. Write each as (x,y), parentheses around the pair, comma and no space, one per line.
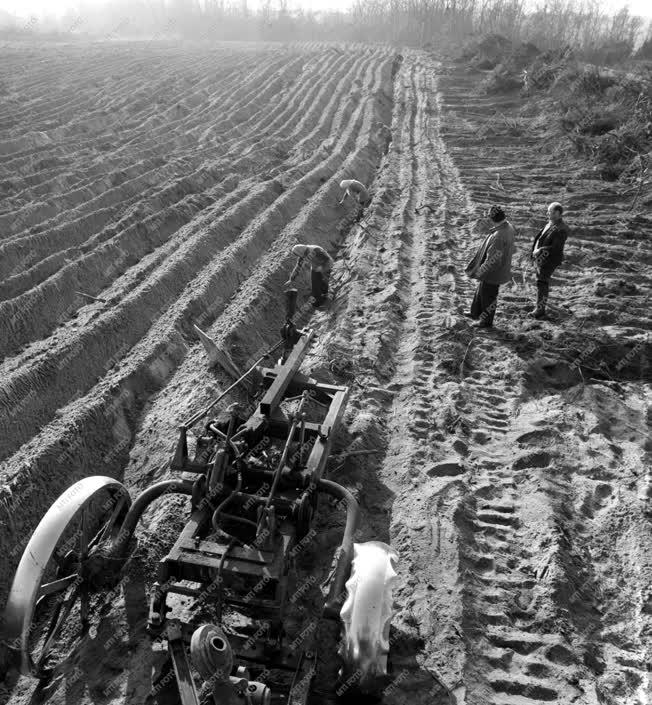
(510,468)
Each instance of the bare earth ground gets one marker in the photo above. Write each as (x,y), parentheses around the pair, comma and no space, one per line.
(172,182)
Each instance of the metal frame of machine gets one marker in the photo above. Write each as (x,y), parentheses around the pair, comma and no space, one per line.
(254,490)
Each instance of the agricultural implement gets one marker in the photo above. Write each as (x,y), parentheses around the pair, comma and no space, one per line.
(221,598)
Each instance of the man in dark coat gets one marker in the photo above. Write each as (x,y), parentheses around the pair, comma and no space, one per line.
(492,265)
(548,253)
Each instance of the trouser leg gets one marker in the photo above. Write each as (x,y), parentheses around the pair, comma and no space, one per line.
(476,304)
(489,297)
(324,283)
(319,286)
(543,288)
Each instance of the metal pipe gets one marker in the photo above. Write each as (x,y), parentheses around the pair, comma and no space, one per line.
(343,568)
(200,414)
(224,437)
(136,510)
(216,513)
(277,474)
(241,520)
(220,434)
(229,430)
(302,437)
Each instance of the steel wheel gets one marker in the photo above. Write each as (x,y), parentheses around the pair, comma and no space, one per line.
(55,576)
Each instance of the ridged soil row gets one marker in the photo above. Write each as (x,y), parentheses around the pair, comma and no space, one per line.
(100,194)
(202,153)
(114,86)
(93,433)
(60,114)
(284,122)
(28,249)
(269,85)
(163,97)
(153,148)
(22,251)
(52,180)
(101,265)
(105,61)
(203,118)
(33,81)
(98,265)
(154,144)
(23,149)
(45,167)
(36,313)
(250,322)
(143,213)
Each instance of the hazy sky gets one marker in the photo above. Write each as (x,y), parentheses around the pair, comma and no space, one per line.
(25,7)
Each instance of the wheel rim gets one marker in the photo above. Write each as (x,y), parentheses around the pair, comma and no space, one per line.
(50,595)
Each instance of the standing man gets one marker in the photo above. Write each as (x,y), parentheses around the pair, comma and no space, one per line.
(321,264)
(492,265)
(547,254)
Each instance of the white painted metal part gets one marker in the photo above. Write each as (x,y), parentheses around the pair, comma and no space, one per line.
(29,574)
(367,611)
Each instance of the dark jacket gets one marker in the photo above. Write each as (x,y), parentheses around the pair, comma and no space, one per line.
(492,262)
(319,259)
(553,241)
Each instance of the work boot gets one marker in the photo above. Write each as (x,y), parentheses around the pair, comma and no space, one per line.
(538,312)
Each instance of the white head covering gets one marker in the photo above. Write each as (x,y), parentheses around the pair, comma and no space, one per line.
(300,250)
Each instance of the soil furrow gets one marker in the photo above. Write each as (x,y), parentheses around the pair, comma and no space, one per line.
(163,348)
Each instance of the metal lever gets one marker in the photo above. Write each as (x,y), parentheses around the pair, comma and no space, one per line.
(177,652)
(290,303)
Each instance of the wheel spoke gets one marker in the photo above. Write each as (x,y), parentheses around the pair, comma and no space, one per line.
(83,536)
(104,533)
(84,605)
(60,615)
(56,585)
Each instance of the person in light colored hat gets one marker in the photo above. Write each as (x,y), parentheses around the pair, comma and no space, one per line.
(355,188)
(321,264)
(548,254)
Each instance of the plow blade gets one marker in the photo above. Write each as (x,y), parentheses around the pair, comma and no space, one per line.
(216,356)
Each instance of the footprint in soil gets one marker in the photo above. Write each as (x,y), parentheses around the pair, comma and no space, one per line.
(603,495)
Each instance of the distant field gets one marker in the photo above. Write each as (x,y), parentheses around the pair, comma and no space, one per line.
(146,187)
(166,181)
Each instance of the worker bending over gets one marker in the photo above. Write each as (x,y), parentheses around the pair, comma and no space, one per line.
(352,187)
(321,264)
